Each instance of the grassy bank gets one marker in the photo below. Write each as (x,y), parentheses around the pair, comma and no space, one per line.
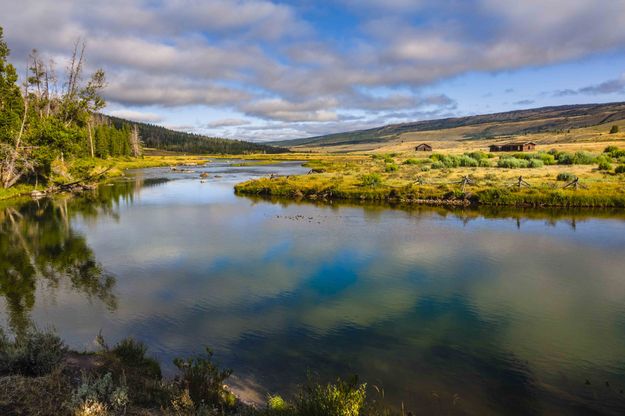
(40,375)
(78,169)
(559,179)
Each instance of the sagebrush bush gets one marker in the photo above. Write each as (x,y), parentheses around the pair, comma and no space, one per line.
(204,381)
(565,177)
(102,390)
(512,163)
(536,163)
(132,353)
(468,162)
(620,169)
(603,165)
(371,179)
(33,353)
(391,167)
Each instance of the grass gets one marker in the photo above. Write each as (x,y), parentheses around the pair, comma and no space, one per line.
(438,180)
(123,380)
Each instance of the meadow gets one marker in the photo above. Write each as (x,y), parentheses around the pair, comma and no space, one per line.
(565,175)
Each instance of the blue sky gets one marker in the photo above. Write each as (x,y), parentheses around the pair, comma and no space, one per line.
(268,70)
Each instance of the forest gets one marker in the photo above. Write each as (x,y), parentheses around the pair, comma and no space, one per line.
(162,138)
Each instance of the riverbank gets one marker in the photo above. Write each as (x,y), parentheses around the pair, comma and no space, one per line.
(523,180)
(91,171)
(40,375)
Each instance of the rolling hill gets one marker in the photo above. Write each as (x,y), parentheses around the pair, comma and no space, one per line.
(545,120)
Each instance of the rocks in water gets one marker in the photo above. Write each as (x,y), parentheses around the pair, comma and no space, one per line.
(204,175)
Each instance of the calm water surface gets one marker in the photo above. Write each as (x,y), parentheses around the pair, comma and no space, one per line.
(449,312)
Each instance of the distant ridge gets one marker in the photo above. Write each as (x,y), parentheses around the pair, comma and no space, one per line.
(537,120)
(162,138)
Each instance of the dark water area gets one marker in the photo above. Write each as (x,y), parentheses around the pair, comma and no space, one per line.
(465,311)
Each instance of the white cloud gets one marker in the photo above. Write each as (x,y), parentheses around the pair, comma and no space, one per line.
(137,116)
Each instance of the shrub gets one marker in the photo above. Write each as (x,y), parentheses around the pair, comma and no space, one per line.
(438,165)
(371,179)
(566,177)
(565,158)
(277,403)
(204,381)
(485,163)
(468,162)
(477,155)
(604,165)
(33,353)
(391,167)
(620,169)
(610,149)
(340,399)
(102,391)
(536,163)
(131,353)
(415,161)
(512,163)
(583,158)
(614,129)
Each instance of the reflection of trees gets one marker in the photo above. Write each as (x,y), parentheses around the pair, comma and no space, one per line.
(37,243)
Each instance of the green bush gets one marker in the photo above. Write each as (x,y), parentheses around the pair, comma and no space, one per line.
(610,149)
(33,353)
(584,158)
(371,179)
(477,155)
(131,353)
(468,162)
(391,167)
(204,381)
(536,163)
(512,163)
(340,399)
(485,163)
(438,165)
(101,390)
(603,165)
(566,177)
(415,161)
(620,169)
(614,129)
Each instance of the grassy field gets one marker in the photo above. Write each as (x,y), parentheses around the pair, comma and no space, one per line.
(460,178)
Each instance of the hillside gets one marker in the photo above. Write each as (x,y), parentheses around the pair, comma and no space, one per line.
(161,138)
(547,120)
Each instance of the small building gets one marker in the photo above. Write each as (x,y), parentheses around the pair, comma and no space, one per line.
(513,147)
(423,147)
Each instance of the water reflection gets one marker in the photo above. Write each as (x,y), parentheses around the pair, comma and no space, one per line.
(471,312)
(38,245)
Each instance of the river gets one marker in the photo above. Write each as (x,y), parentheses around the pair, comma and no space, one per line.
(448,311)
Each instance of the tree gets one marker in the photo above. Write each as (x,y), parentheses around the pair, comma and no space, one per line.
(614,129)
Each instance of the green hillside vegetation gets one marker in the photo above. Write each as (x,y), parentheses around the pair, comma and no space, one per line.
(556,119)
(165,139)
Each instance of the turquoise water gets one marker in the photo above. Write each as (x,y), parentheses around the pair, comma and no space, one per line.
(449,312)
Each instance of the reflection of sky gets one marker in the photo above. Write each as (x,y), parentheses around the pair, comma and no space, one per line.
(416,302)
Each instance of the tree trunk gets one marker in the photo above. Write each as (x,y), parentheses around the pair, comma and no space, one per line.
(90,139)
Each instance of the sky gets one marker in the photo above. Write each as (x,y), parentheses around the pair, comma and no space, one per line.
(266,70)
